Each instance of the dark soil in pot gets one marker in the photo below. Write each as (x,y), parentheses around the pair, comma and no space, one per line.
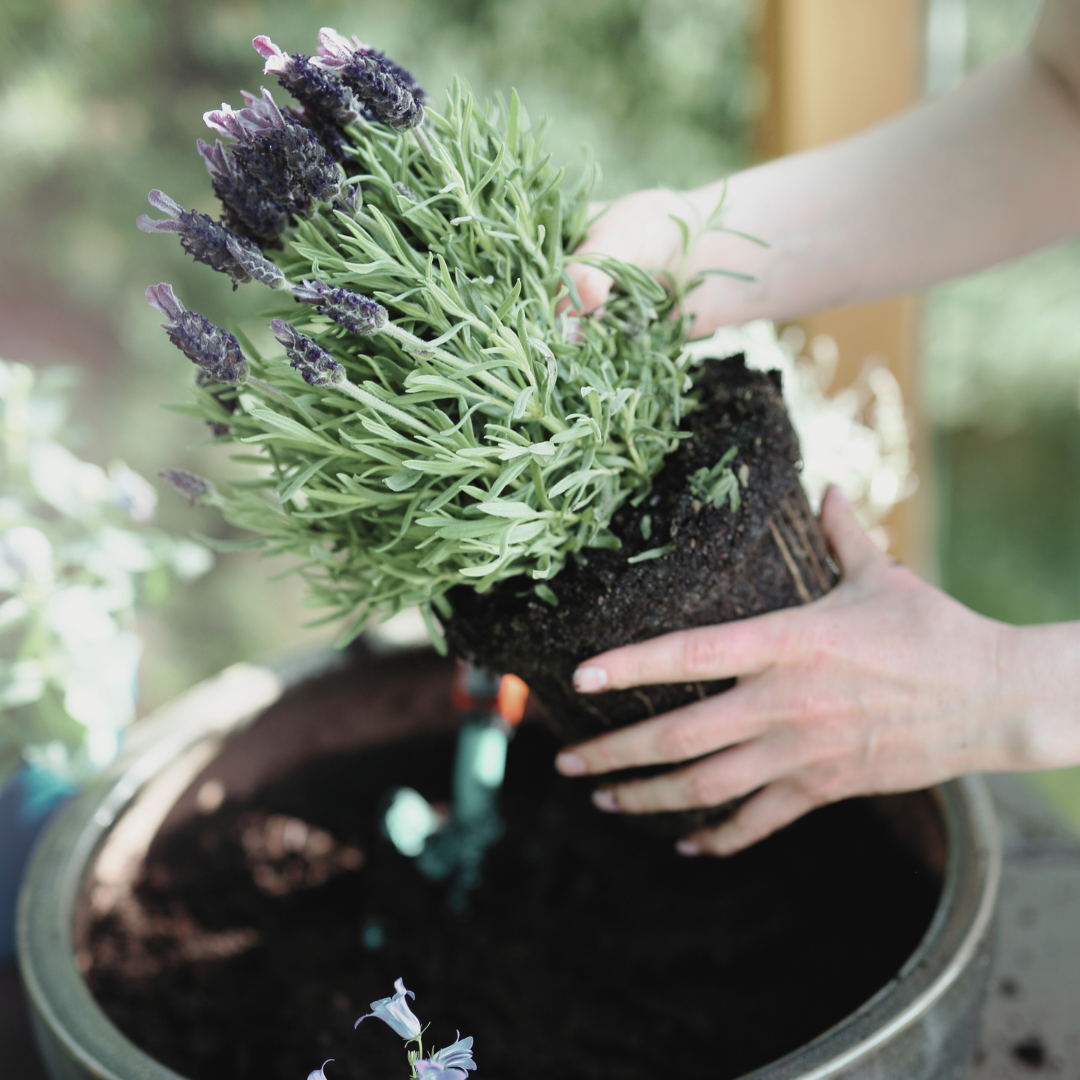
(721,564)
(258,933)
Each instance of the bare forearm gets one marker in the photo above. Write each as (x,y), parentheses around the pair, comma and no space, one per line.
(976,177)
(1039,668)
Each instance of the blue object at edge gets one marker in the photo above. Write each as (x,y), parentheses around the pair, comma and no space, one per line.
(28,800)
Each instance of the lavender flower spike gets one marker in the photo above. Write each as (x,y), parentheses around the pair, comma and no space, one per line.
(313,362)
(248,207)
(359,314)
(319,1074)
(327,103)
(389,93)
(206,240)
(216,351)
(192,487)
(395,1012)
(458,1055)
(277,168)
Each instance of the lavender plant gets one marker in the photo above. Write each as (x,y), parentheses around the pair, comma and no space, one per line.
(437,419)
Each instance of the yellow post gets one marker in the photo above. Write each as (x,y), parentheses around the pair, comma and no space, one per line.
(833,68)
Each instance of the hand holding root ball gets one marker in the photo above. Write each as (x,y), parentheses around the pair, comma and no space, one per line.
(885,684)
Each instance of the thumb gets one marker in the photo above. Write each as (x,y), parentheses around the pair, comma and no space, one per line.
(849,541)
(592,286)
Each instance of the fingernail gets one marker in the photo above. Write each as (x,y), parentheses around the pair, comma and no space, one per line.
(687,847)
(839,497)
(570,765)
(605,800)
(588,680)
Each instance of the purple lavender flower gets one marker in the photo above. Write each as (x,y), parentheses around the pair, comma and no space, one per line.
(389,94)
(327,104)
(206,240)
(359,314)
(319,1074)
(248,208)
(458,1055)
(394,1011)
(275,170)
(216,351)
(192,487)
(313,362)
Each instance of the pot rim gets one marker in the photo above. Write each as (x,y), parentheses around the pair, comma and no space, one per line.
(237,696)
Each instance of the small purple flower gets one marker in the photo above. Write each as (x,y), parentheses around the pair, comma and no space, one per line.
(314,363)
(216,351)
(388,92)
(327,104)
(319,1074)
(248,208)
(192,487)
(395,1012)
(275,170)
(359,314)
(206,240)
(458,1055)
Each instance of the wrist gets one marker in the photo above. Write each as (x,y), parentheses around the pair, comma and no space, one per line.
(1038,700)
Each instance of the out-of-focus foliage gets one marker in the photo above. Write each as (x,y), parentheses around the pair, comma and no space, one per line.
(1003,346)
(101,99)
(76,559)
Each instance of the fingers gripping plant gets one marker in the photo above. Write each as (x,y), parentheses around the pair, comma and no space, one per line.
(436,420)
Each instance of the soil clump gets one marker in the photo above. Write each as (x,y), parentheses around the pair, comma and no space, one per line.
(720,564)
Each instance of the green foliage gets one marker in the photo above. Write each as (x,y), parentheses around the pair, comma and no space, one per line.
(481,434)
(718,484)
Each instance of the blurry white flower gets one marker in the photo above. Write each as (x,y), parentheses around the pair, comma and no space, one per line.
(72,555)
(12,611)
(857,439)
(80,616)
(27,553)
(190,560)
(75,488)
(132,493)
(21,683)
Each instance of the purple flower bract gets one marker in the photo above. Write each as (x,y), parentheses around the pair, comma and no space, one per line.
(215,351)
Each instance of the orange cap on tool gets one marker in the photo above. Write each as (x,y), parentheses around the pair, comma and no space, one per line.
(510,703)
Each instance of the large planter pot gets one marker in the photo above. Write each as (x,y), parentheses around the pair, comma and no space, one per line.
(251,724)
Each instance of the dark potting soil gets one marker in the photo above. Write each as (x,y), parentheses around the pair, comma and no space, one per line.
(259,933)
(721,564)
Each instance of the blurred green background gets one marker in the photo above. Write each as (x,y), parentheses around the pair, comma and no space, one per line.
(100,100)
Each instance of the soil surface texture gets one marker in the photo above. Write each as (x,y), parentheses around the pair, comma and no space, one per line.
(722,565)
(259,933)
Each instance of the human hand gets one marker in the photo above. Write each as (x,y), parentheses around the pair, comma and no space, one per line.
(641,229)
(884,684)
(637,229)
